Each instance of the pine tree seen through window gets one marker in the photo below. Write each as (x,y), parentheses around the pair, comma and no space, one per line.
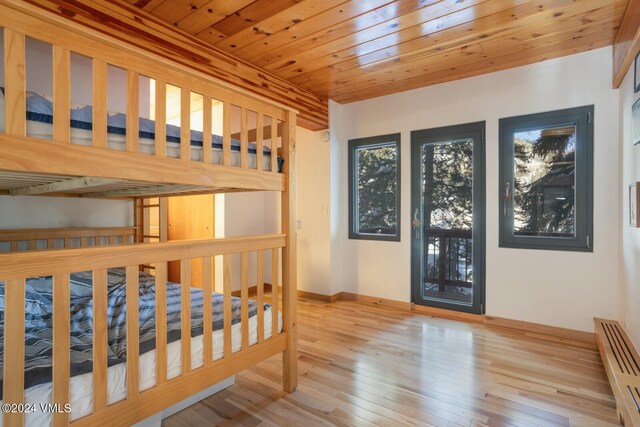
(374,185)
(546,180)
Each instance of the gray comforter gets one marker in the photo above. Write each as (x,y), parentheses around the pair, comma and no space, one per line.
(39,321)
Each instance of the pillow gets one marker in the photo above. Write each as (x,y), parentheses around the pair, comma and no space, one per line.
(39,104)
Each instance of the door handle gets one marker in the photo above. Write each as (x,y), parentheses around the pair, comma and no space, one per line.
(416,223)
(507,198)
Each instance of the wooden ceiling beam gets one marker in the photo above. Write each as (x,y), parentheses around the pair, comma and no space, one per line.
(441,57)
(627,42)
(128,24)
(475,67)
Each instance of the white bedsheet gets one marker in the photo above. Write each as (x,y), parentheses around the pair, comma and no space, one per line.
(81,387)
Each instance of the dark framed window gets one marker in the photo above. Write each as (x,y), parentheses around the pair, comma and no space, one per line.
(546,180)
(374,188)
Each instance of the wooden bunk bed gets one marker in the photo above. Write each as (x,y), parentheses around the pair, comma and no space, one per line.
(59,167)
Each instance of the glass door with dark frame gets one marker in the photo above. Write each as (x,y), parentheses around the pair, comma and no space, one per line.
(447,207)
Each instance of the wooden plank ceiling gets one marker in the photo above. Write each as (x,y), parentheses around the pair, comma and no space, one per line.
(353,50)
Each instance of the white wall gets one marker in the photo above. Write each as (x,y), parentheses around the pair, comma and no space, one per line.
(313,203)
(342,274)
(259,213)
(247,214)
(564,289)
(630,237)
(61,212)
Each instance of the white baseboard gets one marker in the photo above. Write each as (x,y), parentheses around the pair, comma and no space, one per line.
(156,419)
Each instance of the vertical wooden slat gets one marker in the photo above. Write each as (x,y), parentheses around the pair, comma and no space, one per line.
(206,130)
(185,124)
(15,83)
(68,243)
(61,94)
(226,134)
(33,245)
(163,221)
(14,245)
(133,113)
(138,219)
(51,243)
(207,313)
(274,145)
(161,118)
(244,299)
(133,338)
(84,242)
(61,343)
(185,314)
(13,374)
(161,322)
(98,241)
(100,340)
(259,141)
(112,240)
(100,74)
(275,297)
(124,239)
(244,139)
(260,292)
(226,301)
(289,262)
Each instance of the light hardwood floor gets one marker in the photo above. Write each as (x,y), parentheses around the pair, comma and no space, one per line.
(362,364)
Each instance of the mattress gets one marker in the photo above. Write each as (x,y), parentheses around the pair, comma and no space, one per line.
(81,386)
(38,336)
(40,126)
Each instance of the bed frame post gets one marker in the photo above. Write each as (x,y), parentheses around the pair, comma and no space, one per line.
(289,265)
(138,219)
(163,219)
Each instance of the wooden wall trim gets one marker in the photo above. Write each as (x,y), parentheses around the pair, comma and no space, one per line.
(131,26)
(627,42)
(320,297)
(531,329)
(537,329)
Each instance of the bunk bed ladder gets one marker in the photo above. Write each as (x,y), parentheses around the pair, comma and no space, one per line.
(144,216)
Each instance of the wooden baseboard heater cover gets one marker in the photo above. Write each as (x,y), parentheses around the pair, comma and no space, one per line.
(622,363)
